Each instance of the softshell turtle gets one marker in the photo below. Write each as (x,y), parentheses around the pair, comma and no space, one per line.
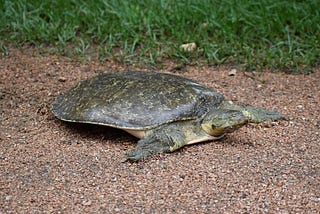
(165,111)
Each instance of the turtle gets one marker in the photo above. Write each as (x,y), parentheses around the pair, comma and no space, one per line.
(165,111)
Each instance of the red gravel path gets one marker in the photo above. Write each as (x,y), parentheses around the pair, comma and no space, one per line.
(50,166)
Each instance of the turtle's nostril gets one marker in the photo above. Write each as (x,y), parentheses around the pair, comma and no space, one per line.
(213,126)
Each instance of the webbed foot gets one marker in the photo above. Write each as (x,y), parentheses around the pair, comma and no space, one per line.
(145,148)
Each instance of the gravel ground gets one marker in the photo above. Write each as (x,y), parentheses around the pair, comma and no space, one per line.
(50,166)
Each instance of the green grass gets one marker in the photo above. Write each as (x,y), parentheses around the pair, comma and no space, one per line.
(275,34)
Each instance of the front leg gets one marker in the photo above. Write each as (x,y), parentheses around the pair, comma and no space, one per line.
(163,139)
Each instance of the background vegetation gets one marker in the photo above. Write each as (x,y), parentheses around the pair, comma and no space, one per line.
(275,34)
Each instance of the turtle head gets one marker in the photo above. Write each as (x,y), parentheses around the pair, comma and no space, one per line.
(220,121)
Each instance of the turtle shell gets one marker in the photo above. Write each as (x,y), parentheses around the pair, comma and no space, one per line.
(135,100)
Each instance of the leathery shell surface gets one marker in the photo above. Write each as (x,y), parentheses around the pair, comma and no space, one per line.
(135,100)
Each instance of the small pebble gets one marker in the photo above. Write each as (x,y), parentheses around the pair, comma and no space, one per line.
(189,47)
(204,25)
(232,72)
(62,79)
(87,203)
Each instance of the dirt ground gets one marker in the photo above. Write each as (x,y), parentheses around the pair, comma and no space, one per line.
(48,166)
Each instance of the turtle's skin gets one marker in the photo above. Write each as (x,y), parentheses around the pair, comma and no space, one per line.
(165,111)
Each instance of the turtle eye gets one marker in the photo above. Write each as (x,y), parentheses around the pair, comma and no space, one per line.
(213,126)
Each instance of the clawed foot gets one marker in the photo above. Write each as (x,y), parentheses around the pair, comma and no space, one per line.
(137,155)
(145,148)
